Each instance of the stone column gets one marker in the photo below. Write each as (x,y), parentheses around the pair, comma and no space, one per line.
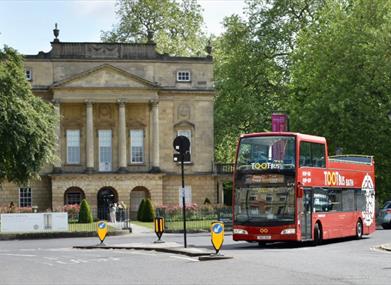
(90,137)
(155,136)
(57,162)
(122,158)
(220,192)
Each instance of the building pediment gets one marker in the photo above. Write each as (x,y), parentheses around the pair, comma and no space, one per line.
(104,76)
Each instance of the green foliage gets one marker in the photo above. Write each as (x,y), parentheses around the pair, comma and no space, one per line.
(85,215)
(252,68)
(341,85)
(149,212)
(174,26)
(141,210)
(27,128)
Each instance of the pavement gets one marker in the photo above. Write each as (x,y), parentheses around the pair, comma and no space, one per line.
(386,246)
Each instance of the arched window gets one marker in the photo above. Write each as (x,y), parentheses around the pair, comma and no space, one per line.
(73,195)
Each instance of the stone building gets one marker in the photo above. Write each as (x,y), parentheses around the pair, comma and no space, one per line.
(121,106)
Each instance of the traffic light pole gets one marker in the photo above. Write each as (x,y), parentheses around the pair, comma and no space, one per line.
(183,199)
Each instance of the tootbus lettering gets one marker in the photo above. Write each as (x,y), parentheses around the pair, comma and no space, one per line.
(333,178)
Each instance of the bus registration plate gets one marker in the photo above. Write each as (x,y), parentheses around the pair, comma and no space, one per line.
(264,237)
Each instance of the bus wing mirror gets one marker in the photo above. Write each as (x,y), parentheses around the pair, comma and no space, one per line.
(300,191)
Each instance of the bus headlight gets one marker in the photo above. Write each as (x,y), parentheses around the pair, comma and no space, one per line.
(288,232)
(240,232)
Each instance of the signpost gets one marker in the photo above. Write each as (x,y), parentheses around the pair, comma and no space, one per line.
(182,145)
(217,235)
(101,228)
(159,228)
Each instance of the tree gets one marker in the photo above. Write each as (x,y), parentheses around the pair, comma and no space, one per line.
(252,67)
(149,211)
(141,209)
(85,215)
(341,85)
(27,128)
(175,27)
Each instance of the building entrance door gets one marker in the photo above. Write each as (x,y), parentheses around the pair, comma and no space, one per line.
(106,197)
(306,215)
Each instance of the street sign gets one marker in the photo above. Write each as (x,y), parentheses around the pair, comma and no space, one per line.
(101,228)
(159,228)
(217,235)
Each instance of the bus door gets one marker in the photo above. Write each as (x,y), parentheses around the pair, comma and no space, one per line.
(306,215)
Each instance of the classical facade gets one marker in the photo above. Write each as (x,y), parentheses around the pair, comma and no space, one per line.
(120,108)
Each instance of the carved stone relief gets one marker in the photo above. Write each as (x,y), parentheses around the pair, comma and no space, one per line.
(105,112)
(102,51)
(183,111)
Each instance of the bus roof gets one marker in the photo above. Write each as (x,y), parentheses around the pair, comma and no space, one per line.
(304,137)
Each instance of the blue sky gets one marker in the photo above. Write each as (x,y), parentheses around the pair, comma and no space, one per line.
(27,25)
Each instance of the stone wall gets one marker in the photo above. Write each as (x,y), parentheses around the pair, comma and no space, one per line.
(202,187)
(40,191)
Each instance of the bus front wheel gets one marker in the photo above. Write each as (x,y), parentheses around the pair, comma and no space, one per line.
(358,230)
(317,235)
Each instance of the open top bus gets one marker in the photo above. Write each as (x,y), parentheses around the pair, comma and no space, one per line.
(287,188)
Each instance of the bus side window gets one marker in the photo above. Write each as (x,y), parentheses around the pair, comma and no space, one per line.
(360,200)
(335,200)
(312,154)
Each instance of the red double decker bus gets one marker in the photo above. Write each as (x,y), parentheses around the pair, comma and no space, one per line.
(287,188)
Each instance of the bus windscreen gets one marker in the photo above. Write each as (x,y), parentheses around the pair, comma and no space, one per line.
(264,181)
(266,153)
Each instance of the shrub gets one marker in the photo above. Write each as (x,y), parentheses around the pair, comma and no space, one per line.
(149,212)
(140,210)
(72,210)
(85,215)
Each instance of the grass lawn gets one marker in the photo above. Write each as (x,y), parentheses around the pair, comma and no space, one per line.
(143,224)
(75,227)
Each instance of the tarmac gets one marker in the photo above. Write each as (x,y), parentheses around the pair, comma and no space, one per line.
(168,247)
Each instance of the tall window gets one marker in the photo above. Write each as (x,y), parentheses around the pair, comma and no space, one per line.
(105,152)
(136,146)
(25,197)
(185,133)
(73,146)
(29,74)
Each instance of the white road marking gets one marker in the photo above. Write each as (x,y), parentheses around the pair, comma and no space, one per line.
(50,258)
(20,255)
(184,258)
(46,263)
(61,262)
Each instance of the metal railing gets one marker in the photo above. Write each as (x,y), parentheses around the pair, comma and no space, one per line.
(224,168)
